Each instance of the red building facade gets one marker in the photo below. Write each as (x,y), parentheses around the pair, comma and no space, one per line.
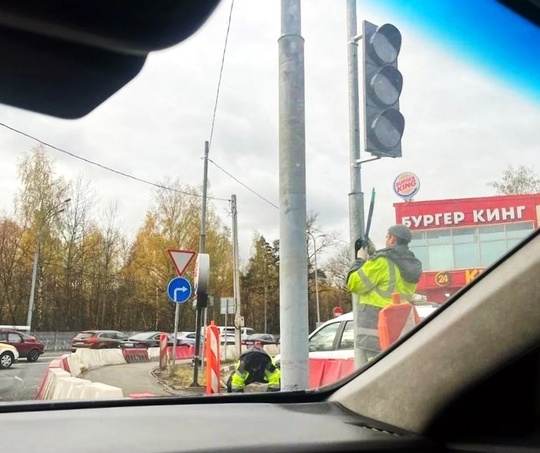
(457,239)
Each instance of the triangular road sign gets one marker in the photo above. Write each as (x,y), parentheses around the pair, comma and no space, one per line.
(181,259)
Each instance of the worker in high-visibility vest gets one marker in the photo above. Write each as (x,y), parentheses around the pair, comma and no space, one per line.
(254,365)
(374,276)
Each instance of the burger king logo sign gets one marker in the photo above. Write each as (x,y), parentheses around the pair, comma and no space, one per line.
(406,185)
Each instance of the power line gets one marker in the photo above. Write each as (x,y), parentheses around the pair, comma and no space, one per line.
(241,183)
(220,74)
(104,167)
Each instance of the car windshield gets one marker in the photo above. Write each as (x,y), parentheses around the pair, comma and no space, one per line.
(142,336)
(83,335)
(307,183)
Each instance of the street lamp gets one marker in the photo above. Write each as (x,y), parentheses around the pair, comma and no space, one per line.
(316,279)
(48,215)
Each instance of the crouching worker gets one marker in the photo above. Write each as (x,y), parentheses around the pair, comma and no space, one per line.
(254,365)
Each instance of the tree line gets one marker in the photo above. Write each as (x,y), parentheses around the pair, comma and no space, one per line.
(90,275)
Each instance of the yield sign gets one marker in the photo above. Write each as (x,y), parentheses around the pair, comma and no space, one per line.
(181,259)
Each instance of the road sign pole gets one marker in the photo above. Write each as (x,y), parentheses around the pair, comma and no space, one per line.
(226,316)
(175,339)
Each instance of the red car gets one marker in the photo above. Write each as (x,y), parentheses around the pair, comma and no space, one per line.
(26,345)
(98,339)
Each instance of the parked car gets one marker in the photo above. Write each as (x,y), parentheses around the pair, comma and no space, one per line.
(27,346)
(264,338)
(227,339)
(188,338)
(8,355)
(334,339)
(230,330)
(146,340)
(98,339)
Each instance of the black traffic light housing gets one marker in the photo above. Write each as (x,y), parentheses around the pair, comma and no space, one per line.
(384,124)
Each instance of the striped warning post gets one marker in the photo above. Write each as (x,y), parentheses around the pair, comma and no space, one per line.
(396,320)
(212,359)
(163,339)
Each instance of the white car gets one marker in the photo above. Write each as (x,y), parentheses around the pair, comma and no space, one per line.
(334,339)
(8,355)
(230,332)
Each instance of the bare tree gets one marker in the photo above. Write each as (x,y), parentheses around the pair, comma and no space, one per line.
(519,180)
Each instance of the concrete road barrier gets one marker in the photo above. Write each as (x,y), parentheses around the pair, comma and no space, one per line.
(67,387)
(61,381)
(135,355)
(95,390)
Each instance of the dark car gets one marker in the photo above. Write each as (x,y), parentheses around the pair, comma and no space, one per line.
(264,338)
(97,339)
(146,340)
(27,345)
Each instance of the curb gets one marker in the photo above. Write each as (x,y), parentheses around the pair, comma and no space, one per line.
(185,391)
(190,391)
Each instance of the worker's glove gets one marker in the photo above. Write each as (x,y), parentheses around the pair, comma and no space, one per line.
(362,254)
(272,389)
(237,390)
(365,244)
(360,243)
(370,247)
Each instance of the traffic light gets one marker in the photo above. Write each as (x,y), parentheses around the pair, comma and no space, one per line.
(384,124)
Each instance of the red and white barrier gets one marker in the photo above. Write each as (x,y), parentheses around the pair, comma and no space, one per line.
(59,380)
(135,355)
(396,320)
(163,338)
(59,383)
(183,351)
(327,371)
(212,359)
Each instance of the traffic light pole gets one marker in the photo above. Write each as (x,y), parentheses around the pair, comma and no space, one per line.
(356,196)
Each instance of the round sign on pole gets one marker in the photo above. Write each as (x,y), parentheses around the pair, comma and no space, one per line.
(337,311)
(406,185)
(179,290)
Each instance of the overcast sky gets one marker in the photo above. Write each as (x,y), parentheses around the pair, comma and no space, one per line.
(456,115)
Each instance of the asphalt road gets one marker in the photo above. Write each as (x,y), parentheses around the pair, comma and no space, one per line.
(21,381)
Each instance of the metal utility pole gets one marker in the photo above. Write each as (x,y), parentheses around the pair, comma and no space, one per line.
(292,198)
(238,321)
(356,196)
(55,210)
(202,249)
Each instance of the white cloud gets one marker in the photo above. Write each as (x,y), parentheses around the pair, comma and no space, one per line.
(156,126)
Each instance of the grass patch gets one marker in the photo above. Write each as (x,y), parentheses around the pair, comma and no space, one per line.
(183,375)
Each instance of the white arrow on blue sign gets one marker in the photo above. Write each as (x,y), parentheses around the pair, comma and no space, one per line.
(179,290)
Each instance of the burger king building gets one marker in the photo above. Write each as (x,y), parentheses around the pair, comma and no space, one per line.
(457,239)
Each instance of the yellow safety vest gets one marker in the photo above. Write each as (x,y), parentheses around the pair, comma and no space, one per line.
(376,280)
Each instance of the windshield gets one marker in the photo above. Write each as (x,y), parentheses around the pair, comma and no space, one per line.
(174,205)
(143,336)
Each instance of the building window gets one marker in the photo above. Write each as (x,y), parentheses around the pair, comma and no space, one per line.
(421,253)
(468,247)
(466,256)
(440,256)
(439,237)
(518,230)
(491,251)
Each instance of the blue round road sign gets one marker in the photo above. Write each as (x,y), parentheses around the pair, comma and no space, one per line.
(179,290)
